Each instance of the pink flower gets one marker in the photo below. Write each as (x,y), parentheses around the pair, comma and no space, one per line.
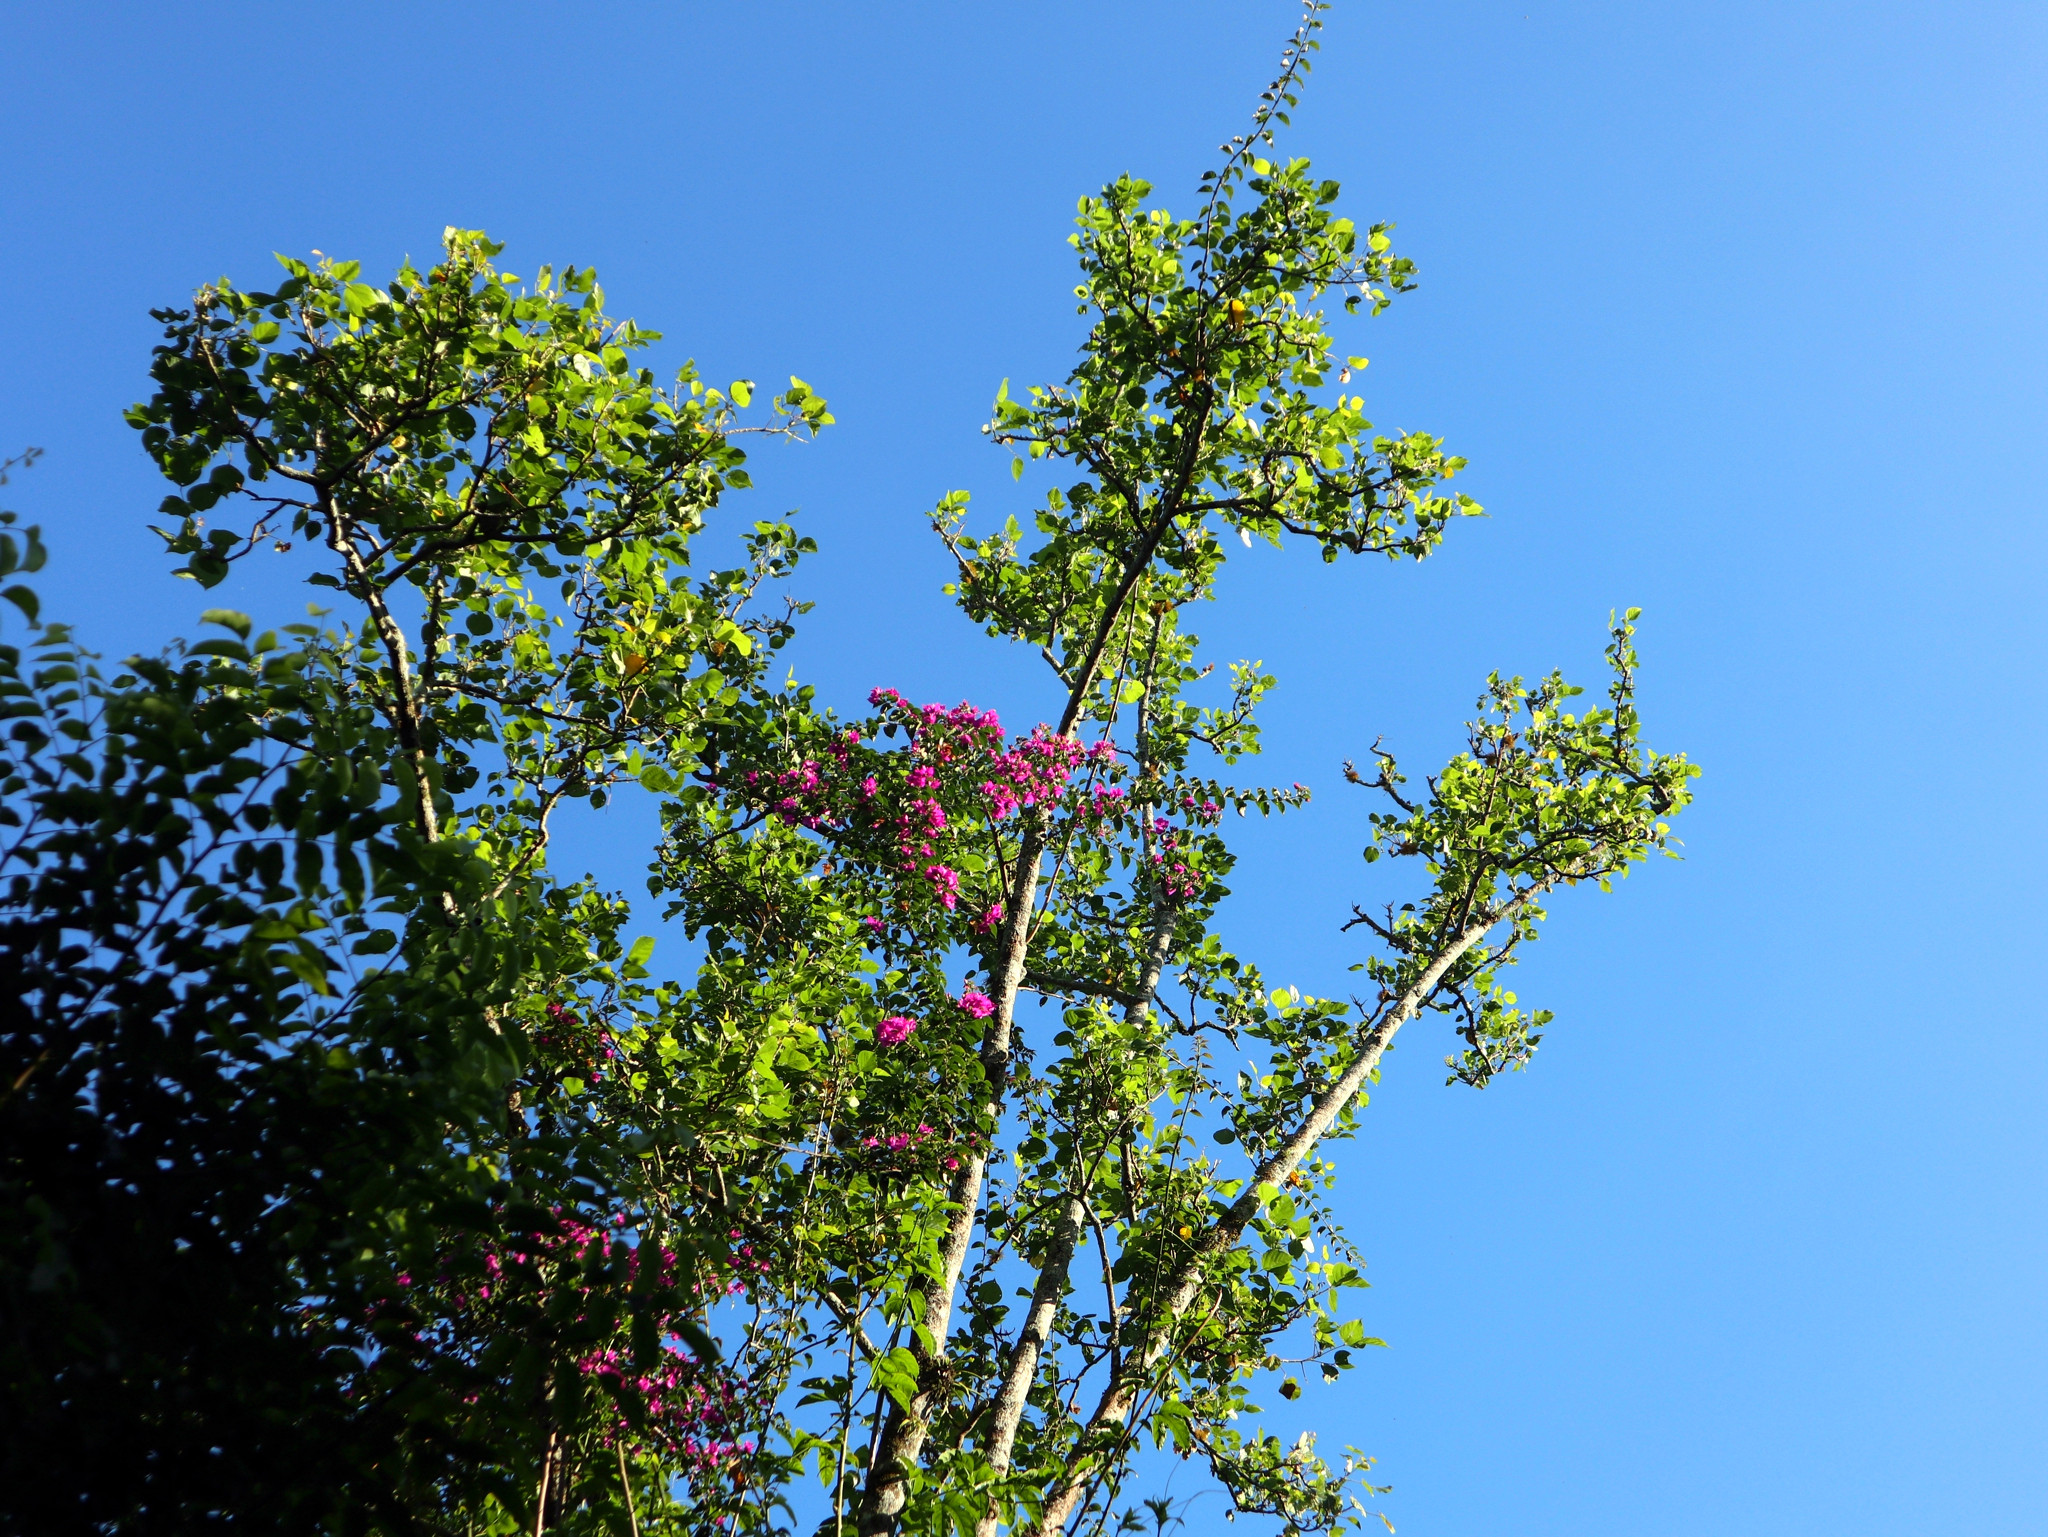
(980,1005)
(945,884)
(894,1030)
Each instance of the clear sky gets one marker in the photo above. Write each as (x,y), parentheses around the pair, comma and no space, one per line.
(1737,311)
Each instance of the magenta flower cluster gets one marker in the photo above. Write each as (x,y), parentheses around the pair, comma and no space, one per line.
(905,1141)
(898,1141)
(1176,877)
(1168,859)
(687,1413)
(676,1403)
(968,744)
(957,757)
(565,1033)
(1038,768)
(894,1030)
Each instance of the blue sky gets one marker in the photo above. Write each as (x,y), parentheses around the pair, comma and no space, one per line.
(1736,311)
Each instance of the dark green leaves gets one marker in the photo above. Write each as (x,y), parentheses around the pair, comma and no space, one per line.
(429,1166)
(24,554)
(227,618)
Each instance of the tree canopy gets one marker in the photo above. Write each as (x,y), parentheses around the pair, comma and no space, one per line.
(368,1177)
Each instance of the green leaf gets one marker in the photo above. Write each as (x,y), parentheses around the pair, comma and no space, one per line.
(701,1344)
(895,1372)
(23,598)
(206,568)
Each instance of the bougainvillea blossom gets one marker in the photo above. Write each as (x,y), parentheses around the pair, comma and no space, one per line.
(957,758)
(678,1404)
(895,1030)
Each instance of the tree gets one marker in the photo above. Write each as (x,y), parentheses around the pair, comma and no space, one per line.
(298,1027)
(573,1250)
(1084,863)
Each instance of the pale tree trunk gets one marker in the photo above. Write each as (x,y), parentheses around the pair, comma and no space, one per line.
(1186,1283)
(1007,1414)
(905,1429)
